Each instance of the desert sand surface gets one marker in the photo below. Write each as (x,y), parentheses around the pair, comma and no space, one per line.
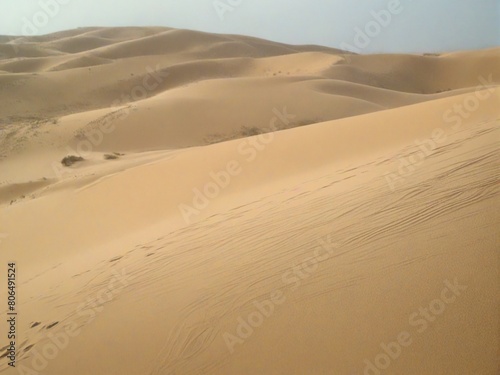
(247,207)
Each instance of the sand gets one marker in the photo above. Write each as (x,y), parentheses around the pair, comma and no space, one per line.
(247,207)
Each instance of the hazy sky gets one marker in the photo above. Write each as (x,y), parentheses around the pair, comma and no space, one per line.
(361,25)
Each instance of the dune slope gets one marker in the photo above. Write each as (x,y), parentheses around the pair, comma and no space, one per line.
(264,209)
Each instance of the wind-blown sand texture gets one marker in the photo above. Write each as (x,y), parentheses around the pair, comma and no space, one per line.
(270,209)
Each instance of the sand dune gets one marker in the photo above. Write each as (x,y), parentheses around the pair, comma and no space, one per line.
(248,207)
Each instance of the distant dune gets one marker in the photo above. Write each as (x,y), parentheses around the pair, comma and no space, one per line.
(242,206)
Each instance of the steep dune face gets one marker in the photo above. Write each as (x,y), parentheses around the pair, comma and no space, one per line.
(248,207)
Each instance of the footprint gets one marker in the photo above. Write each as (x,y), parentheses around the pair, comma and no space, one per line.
(52,325)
